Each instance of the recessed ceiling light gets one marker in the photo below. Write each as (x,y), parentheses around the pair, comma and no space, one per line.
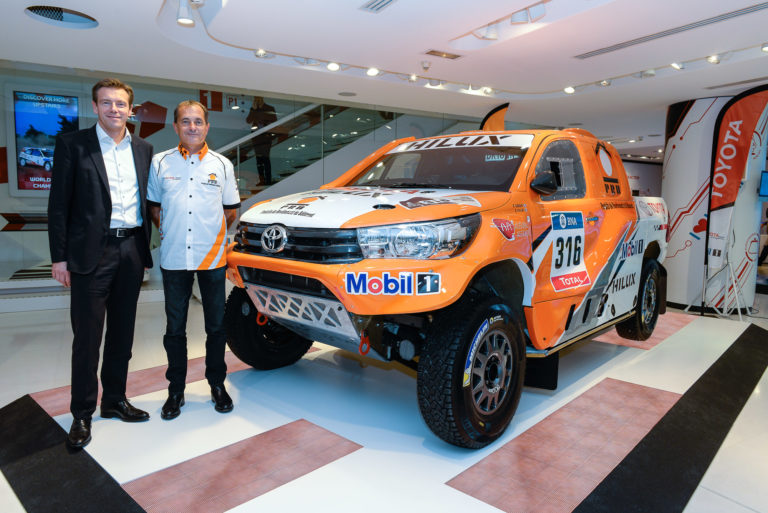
(569,90)
(660,150)
(372,72)
(764,47)
(235,107)
(678,65)
(261,53)
(333,66)
(487,90)
(649,73)
(713,59)
(413,77)
(632,140)
(604,83)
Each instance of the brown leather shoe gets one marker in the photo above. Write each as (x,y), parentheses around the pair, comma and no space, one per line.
(221,400)
(79,433)
(124,411)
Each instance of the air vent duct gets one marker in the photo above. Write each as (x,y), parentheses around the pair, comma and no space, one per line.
(61,17)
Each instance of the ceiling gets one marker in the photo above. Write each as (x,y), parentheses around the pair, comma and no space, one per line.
(527,64)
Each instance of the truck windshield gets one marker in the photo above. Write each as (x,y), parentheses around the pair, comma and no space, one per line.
(490,164)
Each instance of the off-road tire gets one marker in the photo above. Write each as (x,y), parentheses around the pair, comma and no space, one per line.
(462,415)
(640,326)
(262,347)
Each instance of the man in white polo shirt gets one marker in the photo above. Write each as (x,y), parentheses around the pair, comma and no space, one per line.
(193,199)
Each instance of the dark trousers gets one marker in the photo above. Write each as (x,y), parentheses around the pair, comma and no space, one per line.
(178,289)
(263,164)
(112,289)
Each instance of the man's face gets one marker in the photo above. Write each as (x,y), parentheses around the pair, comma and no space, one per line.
(112,109)
(191,127)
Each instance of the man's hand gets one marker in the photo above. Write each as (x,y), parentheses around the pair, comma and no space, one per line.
(60,273)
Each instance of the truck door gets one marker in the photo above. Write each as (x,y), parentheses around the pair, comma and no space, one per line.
(566,232)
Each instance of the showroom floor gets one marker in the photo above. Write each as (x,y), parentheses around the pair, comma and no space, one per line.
(337,432)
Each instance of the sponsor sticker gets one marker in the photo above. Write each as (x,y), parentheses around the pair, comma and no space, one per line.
(631,248)
(567,269)
(472,350)
(514,140)
(506,227)
(391,284)
(291,209)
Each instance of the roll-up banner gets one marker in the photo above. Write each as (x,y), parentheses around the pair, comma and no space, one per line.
(735,139)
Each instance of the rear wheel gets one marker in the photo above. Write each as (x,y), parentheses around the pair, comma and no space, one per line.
(640,326)
(471,371)
(263,347)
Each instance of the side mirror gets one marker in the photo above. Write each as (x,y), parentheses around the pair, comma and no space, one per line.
(545,183)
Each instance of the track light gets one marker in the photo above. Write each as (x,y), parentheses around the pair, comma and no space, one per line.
(183,16)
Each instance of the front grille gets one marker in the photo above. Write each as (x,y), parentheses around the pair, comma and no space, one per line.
(320,245)
(285,282)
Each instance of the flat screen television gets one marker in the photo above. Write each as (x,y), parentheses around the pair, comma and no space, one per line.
(764,184)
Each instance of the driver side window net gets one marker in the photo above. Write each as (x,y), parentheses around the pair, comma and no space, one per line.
(562,158)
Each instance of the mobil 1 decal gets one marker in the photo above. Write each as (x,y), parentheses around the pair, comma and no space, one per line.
(568,269)
(391,284)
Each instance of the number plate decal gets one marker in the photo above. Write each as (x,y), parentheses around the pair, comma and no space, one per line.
(568,270)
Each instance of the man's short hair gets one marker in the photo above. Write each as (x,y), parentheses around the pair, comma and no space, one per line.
(189,103)
(115,84)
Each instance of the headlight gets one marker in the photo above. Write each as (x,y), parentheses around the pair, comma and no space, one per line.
(436,239)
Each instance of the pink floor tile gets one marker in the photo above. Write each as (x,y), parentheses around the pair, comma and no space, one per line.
(592,434)
(668,324)
(56,400)
(230,476)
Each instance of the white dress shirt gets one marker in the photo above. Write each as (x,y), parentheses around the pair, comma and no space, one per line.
(123,181)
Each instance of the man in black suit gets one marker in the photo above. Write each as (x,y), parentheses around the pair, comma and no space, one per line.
(98,231)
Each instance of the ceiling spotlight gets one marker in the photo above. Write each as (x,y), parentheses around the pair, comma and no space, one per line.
(413,77)
(433,82)
(764,47)
(333,66)
(632,141)
(678,65)
(660,150)
(425,65)
(713,59)
(487,90)
(235,107)
(372,72)
(261,53)
(604,83)
(183,16)
(649,73)
(569,90)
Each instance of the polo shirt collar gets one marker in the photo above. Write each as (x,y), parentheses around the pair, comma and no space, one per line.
(200,154)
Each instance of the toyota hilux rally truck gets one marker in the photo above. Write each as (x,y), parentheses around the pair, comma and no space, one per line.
(463,256)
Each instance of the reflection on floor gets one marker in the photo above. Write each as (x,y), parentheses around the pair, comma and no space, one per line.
(338,432)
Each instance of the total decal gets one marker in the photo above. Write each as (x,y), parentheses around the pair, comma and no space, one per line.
(391,284)
(567,269)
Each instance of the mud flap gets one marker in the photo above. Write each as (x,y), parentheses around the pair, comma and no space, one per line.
(542,372)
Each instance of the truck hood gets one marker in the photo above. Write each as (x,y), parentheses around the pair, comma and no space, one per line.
(352,207)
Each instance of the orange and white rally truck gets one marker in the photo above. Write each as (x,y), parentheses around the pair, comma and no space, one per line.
(464,256)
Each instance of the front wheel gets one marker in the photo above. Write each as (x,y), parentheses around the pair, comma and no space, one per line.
(471,371)
(262,347)
(22,162)
(640,325)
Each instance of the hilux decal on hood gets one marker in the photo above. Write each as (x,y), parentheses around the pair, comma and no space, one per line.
(331,208)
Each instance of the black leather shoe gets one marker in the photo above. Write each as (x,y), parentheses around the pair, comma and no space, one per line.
(123,411)
(172,407)
(79,433)
(222,401)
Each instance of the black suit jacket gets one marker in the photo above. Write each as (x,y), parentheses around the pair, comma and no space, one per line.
(79,205)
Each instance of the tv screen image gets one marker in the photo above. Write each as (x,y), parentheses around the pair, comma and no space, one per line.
(764,184)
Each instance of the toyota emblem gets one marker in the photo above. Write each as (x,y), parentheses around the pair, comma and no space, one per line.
(273,239)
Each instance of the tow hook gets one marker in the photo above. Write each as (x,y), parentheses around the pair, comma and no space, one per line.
(365,344)
(261,319)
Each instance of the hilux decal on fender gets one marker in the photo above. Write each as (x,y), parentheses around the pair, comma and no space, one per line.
(568,270)
(404,284)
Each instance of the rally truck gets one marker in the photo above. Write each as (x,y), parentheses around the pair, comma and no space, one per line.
(468,257)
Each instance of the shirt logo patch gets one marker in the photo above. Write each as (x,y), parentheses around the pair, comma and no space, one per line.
(212,180)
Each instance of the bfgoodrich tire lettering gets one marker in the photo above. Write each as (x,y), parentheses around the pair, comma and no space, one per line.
(262,347)
(471,371)
(640,326)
